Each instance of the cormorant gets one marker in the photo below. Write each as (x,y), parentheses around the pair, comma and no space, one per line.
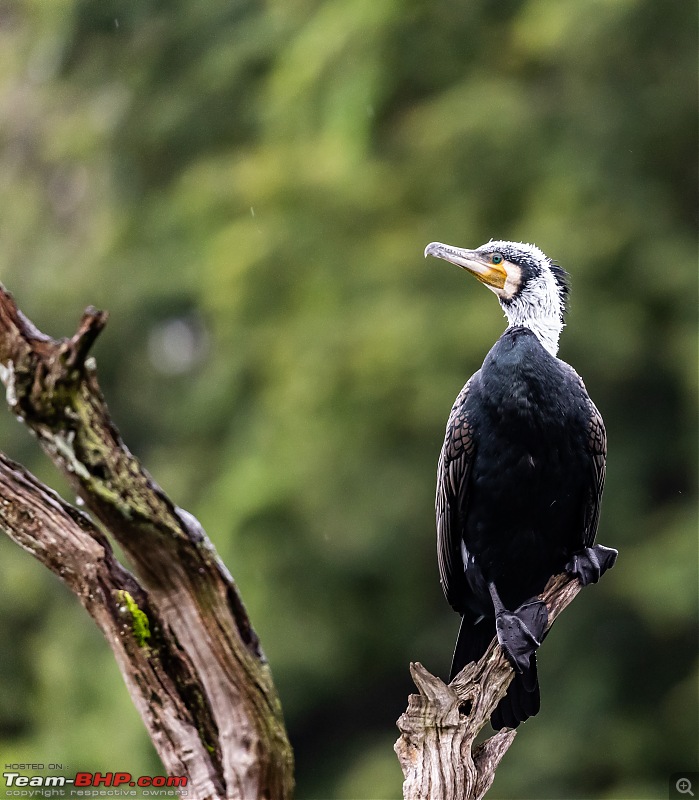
(520,475)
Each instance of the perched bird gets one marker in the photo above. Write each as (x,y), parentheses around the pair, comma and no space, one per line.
(520,475)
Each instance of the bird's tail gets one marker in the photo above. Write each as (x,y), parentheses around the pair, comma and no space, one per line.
(472,642)
(522,699)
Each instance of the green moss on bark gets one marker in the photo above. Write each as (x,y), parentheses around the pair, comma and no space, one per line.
(140,626)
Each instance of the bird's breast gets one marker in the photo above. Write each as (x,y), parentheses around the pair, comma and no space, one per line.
(530,470)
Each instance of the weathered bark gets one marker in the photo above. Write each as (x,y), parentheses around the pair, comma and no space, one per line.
(438,729)
(178,627)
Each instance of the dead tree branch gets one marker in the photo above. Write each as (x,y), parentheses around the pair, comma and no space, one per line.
(438,729)
(178,628)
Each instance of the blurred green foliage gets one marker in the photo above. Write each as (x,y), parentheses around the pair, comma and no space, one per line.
(248,188)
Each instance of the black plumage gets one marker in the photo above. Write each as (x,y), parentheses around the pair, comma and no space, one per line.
(520,475)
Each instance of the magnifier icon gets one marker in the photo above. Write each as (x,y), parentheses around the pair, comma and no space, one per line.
(684,786)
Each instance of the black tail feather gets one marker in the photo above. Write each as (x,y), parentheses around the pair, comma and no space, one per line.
(522,699)
(472,642)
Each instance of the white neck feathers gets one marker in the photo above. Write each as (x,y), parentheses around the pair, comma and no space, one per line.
(538,308)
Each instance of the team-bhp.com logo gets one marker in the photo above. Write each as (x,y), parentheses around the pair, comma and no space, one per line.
(93,784)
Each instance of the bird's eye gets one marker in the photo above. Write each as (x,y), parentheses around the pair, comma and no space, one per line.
(496,258)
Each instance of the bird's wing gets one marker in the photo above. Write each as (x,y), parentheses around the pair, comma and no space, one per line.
(597,443)
(452,488)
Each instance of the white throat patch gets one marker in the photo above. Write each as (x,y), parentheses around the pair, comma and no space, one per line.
(538,308)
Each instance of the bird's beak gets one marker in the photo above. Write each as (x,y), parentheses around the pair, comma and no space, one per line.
(476,263)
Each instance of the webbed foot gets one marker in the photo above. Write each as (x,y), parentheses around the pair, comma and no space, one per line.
(520,631)
(591,563)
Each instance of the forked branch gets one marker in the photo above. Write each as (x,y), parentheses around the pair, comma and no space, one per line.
(178,627)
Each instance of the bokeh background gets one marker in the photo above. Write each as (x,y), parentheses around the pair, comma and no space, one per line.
(248,188)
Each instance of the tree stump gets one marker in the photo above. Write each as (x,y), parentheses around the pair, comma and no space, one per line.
(438,729)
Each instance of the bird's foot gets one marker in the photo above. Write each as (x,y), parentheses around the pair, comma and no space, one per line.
(591,563)
(520,632)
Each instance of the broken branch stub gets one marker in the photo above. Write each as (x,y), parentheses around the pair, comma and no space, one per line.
(438,729)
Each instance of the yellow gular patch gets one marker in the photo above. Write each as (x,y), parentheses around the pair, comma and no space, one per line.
(493,277)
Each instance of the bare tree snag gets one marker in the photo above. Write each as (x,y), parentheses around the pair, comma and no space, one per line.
(178,628)
(438,729)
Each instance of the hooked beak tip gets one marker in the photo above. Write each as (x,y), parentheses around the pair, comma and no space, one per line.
(432,249)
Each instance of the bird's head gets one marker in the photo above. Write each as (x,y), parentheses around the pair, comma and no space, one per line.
(532,290)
